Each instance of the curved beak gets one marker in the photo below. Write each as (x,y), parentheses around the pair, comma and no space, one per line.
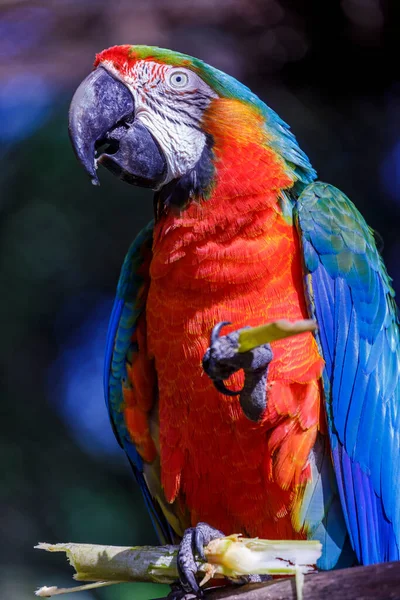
(103,129)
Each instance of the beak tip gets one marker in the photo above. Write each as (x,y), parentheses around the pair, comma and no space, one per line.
(99,102)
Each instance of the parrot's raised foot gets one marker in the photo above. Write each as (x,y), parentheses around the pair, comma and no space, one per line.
(193,541)
(223,358)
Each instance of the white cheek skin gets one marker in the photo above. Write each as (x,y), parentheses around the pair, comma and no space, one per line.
(182,145)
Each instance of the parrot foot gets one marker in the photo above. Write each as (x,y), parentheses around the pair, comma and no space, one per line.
(193,541)
(178,593)
(222,359)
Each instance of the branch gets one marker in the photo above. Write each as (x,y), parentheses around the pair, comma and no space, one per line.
(231,556)
(251,337)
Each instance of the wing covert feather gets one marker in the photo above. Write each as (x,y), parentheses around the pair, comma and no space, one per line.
(351,297)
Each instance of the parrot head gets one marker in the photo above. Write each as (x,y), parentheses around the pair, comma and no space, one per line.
(161,119)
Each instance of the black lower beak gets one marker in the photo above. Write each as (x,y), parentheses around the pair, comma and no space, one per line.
(103,130)
(134,156)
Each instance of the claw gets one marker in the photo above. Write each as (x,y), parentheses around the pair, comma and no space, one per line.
(187,567)
(209,362)
(178,593)
(193,541)
(202,536)
(216,330)
(198,543)
(221,387)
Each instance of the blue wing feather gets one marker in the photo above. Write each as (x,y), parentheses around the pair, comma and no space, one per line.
(352,300)
(120,329)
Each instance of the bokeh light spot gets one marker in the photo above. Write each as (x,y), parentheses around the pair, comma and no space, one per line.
(76,377)
(25,103)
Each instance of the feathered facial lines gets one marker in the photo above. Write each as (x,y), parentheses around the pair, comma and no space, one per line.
(170,102)
(167,89)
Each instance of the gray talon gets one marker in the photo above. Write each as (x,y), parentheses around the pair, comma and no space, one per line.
(202,536)
(186,563)
(193,541)
(178,593)
(219,359)
(221,387)
(216,330)
(222,359)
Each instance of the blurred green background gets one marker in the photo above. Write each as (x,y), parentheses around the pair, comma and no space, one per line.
(328,68)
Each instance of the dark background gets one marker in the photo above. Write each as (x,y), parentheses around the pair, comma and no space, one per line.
(329,68)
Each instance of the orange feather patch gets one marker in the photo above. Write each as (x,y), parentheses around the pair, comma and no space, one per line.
(234,258)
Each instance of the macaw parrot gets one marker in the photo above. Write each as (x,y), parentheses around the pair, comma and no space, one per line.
(300,438)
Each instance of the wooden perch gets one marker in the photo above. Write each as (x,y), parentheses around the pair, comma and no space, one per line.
(375,582)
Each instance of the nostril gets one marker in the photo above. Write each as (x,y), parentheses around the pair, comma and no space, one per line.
(129,120)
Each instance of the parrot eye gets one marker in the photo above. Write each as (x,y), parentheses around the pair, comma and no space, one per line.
(178,79)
